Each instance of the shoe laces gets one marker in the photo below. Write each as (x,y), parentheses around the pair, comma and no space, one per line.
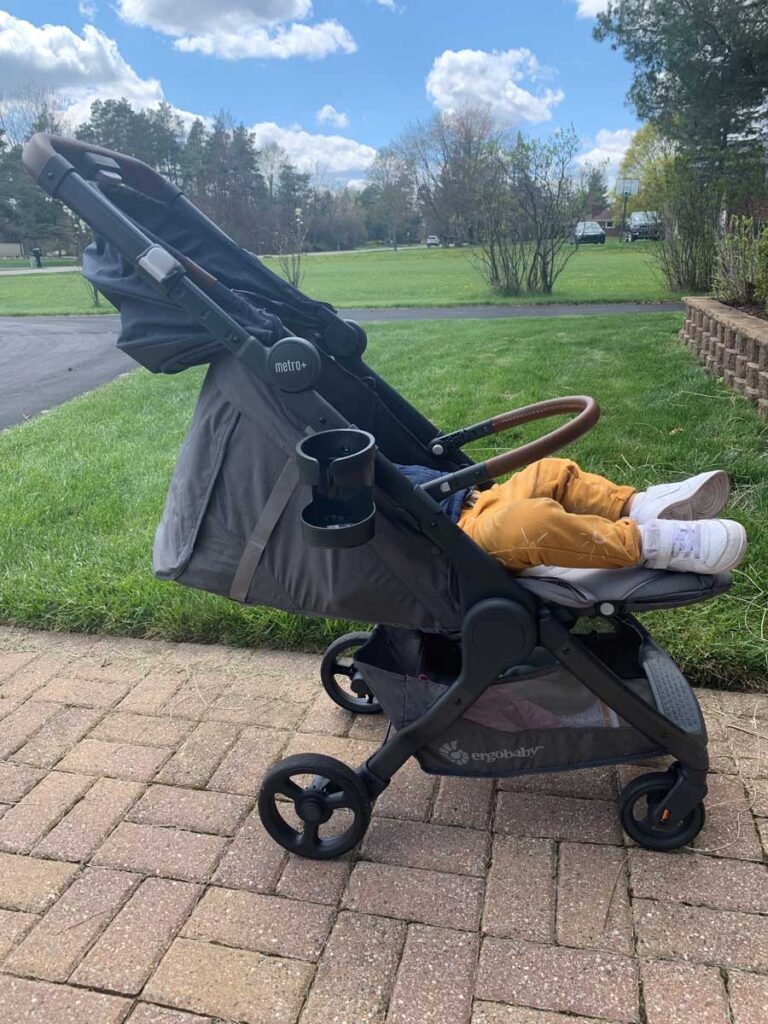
(686,540)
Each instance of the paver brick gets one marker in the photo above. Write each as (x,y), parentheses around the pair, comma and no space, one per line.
(200,755)
(749,997)
(36,813)
(758,795)
(12,661)
(314,880)
(356,972)
(134,943)
(167,852)
(243,766)
(677,993)
(193,809)
(464,802)
(14,925)
(429,897)
(28,678)
(90,821)
(148,730)
(148,1013)
(9,704)
(253,861)
(234,984)
(436,977)
(40,1002)
(497,1013)
(17,727)
(520,893)
(194,698)
(585,982)
(557,817)
(273,712)
(409,795)
(115,760)
(150,695)
(57,736)
(52,950)
(592,898)
(462,851)
(584,783)
(86,693)
(31,884)
(726,937)
(325,716)
(16,780)
(707,881)
(266,924)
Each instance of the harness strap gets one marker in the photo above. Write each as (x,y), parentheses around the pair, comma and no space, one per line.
(274,507)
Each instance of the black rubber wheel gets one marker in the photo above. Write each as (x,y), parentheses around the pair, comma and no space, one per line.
(303,822)
(341,680)
(636,802)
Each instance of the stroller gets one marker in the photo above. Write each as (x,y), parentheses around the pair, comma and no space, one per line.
(286,493)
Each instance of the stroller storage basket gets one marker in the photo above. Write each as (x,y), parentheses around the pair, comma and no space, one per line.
(536,717)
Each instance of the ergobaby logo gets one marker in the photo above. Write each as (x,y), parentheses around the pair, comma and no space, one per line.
(452,752)
(290,366)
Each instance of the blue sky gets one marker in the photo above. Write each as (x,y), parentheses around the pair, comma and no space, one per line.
(301,71)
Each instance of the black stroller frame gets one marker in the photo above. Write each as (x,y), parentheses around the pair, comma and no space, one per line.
(503,619)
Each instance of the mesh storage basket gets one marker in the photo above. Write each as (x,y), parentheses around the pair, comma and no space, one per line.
(536,717)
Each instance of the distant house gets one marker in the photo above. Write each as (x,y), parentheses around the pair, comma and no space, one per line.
(605,219)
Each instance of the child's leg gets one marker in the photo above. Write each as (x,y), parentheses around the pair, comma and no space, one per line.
(538,531)
(570,486)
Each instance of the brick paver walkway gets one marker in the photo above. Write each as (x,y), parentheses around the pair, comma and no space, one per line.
(136,882)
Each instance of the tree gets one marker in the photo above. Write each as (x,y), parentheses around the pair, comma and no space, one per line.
(392,194)
(700,72)
(595,188)
(531,201)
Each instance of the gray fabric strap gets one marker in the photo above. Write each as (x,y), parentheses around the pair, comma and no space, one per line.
(262,531)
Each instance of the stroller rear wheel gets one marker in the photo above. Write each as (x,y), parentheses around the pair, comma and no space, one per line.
(342,681)
(320,817)
(636,804)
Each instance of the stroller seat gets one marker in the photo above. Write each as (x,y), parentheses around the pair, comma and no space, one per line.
(634,590)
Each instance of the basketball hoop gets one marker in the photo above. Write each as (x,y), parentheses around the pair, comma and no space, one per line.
(626,187)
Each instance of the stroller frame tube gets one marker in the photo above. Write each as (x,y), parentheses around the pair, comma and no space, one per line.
(501,621)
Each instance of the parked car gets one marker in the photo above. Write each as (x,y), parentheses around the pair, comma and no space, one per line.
(432,241)
(588,231)
(643,224)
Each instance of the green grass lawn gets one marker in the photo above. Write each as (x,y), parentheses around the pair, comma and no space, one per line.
(83,486)
(409,277)
(12,262)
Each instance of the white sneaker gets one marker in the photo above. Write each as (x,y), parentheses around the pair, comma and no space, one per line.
(707,546)
(699,497)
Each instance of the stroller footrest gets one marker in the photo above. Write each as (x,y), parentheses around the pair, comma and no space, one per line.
(673,695)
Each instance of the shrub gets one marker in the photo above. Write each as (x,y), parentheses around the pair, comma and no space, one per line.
(761,275)
(736,263)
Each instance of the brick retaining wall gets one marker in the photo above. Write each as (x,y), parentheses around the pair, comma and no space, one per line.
(731,345)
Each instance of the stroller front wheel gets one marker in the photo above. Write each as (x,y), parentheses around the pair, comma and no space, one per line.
(321,817)
(638,800)
(342,681)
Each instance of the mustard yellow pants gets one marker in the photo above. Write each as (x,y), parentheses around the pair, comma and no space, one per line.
(553,513)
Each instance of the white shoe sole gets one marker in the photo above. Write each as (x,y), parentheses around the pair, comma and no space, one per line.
(706,502)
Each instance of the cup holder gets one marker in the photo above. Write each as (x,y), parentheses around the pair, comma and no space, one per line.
(339,467)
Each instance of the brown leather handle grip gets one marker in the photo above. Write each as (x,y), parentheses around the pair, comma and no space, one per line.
(588,413)
(41,147)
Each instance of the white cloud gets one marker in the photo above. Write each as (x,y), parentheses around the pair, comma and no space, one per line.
(87,9)
(81,67)
(590,8)
(242,29)
(391,5)
(328,114)
(469,77)
(609,147)
(357,184)
(332,153)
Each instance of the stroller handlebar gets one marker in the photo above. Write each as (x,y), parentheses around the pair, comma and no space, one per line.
(588,413)
(92,162)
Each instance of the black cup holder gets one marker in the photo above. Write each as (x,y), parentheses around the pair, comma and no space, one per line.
(339,466)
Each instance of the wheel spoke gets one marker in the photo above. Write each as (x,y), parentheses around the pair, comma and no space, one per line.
(343,670)
(340,800)
(308,837)
(287,787)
